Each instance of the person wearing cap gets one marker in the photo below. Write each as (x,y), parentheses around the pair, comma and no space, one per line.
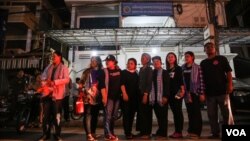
(158,97)
(130,96)
(113,88)
(176,93)
(217,75)
(56,76)
(194,94)
(145,85)
(93,81)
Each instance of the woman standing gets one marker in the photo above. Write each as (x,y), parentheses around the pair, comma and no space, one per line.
(93,80)
(113,87)
(145,86)
(176,93)
(194,92)
(130,96)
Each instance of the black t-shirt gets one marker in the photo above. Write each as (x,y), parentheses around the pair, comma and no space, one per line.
(176,80)
(187,76)
(114,89)
(131,82)
(214,74)
(99,76)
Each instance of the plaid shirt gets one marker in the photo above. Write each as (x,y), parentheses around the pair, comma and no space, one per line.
(196,83)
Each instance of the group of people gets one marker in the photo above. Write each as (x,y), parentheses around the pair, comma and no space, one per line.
(140,93)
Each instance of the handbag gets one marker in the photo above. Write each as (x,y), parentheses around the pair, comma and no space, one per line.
(79,106)
(92,93)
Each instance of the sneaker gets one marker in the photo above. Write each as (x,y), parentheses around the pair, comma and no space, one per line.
(111,138)
(43,138)
(176,135)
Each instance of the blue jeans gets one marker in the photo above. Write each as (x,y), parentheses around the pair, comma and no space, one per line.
(111,113)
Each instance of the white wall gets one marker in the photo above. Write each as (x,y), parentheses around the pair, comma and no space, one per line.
(126,53)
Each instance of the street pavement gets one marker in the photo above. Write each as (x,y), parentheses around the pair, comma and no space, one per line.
(73,130)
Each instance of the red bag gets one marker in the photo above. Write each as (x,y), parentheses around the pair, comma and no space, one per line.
(79,106)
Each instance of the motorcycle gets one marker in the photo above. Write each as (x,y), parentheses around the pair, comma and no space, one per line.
(5,110)
(28,105)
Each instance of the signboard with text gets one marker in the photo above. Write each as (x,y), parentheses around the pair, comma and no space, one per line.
(147,9)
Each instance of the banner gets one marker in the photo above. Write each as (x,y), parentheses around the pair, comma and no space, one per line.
(147,9)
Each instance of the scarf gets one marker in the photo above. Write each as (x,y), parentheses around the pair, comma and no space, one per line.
(159,92)
(57,74)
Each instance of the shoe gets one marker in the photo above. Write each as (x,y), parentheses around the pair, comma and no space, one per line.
(96,135)
(90,138)
(176,135)
(214,136)
(145,137)
(192,136)
(57,138)
(111,138)
(43,138)
(158,137)
(116,138)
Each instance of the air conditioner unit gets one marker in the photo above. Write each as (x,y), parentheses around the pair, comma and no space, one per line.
(84,56)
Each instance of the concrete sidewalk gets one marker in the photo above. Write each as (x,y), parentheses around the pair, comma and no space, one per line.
(78,123)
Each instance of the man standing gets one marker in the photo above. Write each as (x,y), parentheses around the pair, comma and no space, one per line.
(218,82)
(56,76)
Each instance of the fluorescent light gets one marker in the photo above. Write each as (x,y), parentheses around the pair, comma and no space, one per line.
(154,50)
(94,53)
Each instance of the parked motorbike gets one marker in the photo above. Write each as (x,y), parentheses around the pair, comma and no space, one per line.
(28,107)
(5,110)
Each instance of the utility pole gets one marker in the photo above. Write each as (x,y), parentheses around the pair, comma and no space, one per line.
(212,20)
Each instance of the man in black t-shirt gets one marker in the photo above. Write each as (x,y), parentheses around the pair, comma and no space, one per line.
(218,82)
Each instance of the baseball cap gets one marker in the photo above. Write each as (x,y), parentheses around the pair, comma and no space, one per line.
(110,58)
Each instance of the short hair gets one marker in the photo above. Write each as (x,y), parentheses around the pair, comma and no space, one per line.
(190,53)
(209,44)
(133,59)
(78,79)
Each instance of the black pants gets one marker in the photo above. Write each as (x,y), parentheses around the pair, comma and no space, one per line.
(90,118)
(145,118)
(129,110)
(194,115)
(176,107)
(52,115)
(212,109)
(161,113)
(66,108)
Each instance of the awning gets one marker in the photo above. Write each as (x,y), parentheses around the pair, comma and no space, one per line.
(141,36)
